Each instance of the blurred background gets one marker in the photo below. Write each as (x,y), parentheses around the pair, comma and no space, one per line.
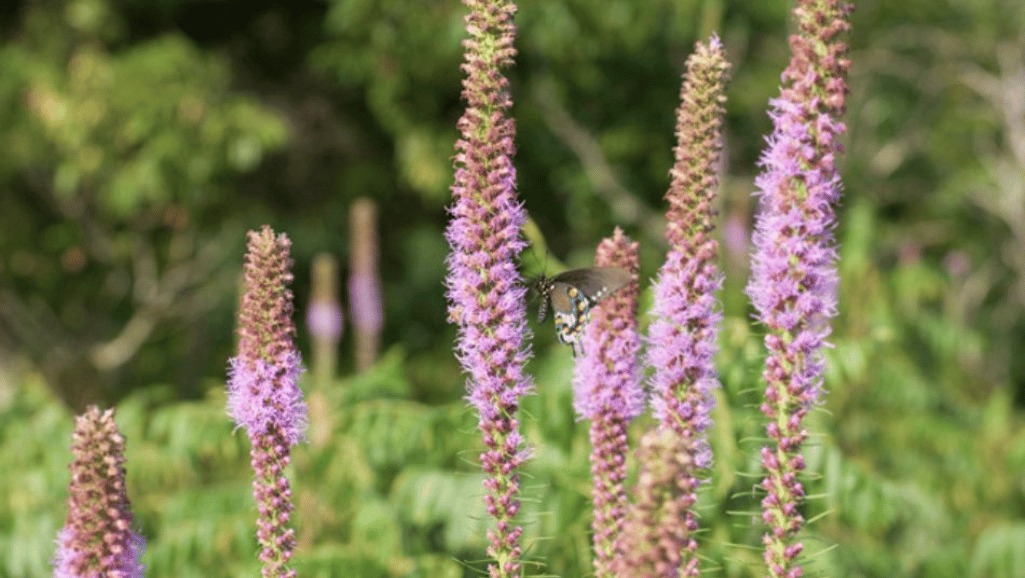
(141,139)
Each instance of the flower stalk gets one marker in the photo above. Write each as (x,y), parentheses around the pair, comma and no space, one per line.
(683,333)
(365,301)
(263,392)
(793,274)
(607,391)
(97,539)
(485,292)
(324,319)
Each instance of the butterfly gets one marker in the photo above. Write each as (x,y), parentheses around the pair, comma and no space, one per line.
(573,294)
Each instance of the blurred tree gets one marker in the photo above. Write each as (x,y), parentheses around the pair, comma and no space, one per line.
(118,215)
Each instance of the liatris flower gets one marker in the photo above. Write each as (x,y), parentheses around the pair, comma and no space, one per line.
(365,282)
(682,336)
(485,291)
(685,324)
(324,321)
(97,539)
(793,274)
(657,531)
(608,392)
(324,317)
(263,391)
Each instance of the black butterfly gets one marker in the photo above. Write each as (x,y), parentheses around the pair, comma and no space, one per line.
(574,293)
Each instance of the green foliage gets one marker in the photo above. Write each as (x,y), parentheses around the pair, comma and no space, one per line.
(117,155)
(394,490)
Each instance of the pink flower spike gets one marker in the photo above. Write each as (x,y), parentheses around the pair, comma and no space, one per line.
(263,391)
(607,391)
(97,539)
(659,537)
(793,272)
(485,291)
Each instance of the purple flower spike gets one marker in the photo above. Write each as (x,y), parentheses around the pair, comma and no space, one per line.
(485,292)
(682,336)
(685,323)
(365,302)
(324,318)
(793,274)
(263,391)
(607,391)
(658,535)
(97,539)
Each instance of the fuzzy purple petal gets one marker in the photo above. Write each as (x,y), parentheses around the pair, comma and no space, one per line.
(682,335)
(793,271)
(97,539)
(607,391)
(262,394)
(485,292)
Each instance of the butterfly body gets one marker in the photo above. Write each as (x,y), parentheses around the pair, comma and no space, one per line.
(574,293)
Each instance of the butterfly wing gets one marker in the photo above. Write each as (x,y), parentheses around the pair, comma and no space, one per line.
(594,282)
(572,311)
(574,293)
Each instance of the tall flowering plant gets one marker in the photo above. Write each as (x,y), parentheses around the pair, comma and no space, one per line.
(659,540)
(607,391)
(365,302)
(324,319)
(97,539)
(485,291)
(793,273)
(263,391)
